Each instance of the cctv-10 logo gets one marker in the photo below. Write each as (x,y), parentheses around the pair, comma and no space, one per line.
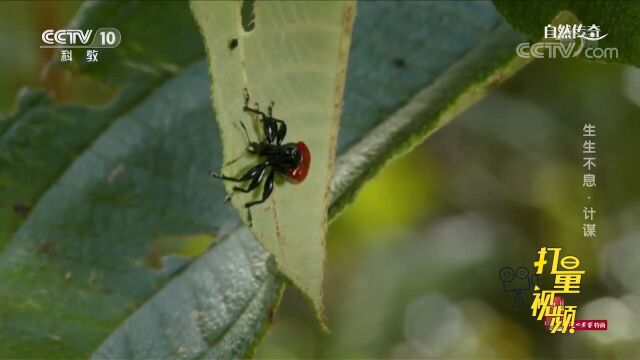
(76,38)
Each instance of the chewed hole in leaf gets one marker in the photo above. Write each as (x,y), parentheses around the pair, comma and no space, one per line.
(154,260)
(21,209)
(399,62)
(164,251)
(233,43)
(248,16)
(188,245)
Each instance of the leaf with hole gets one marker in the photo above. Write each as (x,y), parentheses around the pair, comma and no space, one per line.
(91,195)
(294,54)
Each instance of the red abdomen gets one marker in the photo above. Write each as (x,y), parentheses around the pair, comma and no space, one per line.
(300,172)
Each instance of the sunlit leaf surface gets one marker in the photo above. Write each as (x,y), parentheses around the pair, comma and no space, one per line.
(295,55)
(88,194)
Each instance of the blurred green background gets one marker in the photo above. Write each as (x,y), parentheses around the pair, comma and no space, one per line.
(413,263)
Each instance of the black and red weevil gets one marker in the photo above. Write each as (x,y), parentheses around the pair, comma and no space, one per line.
(291,160)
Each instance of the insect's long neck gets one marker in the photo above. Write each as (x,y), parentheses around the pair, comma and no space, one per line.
(266,149)
(278,156)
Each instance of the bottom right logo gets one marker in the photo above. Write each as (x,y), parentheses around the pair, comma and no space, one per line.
(578,324)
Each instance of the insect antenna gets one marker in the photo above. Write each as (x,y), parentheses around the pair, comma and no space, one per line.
(246,134)
(234,160)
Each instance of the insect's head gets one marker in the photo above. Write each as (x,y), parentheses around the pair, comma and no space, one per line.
(301,153)
(252,147)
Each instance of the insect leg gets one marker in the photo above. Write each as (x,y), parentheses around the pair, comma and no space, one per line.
(250,174)
(257,179)
(281,126)
(252,110)
(269,125)
(255,111)
(266,192)
(281,132)
(255,174)
(270,108)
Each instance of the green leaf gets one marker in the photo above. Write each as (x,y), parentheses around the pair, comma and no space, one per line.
(295,55)
(88,240)
(217,308)
(444,253)
(141,61)
(104,186)
(147,51)
(618,19)
(87,192)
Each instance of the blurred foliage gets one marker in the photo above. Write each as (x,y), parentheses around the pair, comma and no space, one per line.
(485,192)
(22,62)
(108,183)
(617,19)
(113,179)
(413,264)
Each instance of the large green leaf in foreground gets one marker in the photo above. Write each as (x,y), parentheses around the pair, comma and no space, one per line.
(295,55)
(80,271)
